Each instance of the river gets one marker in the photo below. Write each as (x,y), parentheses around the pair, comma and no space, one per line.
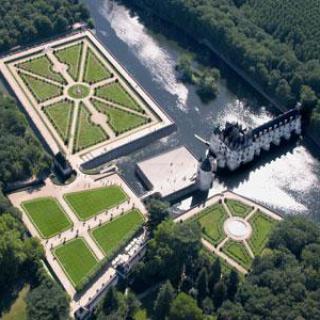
(287,180)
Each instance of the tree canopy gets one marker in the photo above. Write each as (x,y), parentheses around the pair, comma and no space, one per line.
(258,37)
(21,155)
(24,21)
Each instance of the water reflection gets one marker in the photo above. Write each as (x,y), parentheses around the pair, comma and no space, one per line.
(286,180)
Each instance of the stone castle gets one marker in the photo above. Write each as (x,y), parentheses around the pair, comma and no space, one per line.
(233,146)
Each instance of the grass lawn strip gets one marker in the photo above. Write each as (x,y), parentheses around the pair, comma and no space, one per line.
(88,133)
(262,226)
(114,92)
(47,216)
(40,89)
(60,114)
(42,66)
(238,252)
(76,259)
(95,70)
(18,310)
(71,56)
(120,120)
(211,220)
(114,235)
(89,203)
(238,208)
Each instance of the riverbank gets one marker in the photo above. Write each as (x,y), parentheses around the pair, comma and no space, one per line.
(150,14)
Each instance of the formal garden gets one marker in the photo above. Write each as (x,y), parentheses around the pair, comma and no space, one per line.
(89,203)
(236,229)
(47,216)
(81,96)
(85,229)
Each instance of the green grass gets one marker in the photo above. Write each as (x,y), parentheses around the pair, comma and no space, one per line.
(120,120)
(238,208)
(238,252)
(89,203)
(113,235)
(71,56)
(60,114)
(43,67)
(79,91)
(141,315)
(76,259)
(95,70)
(262,226)
(87,133)
(211,220)
(114,92)
(47,216)
(41,90)
(18,310)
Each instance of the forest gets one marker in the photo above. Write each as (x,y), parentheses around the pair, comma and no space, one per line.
(284,282)
(23,22)
(285,69)
(21,155)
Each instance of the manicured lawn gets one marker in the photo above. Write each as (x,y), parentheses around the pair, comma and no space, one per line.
(79,91)
(114,92)
(47,216)
(113,235)
(211,221)
(41,90)
(95,71)
(262,226)
(238,208)
(76,259)
(71,56)
(18,309)
(60,115)
(88,133)
(238,252)
(120,120)
(42,66)
(89,203)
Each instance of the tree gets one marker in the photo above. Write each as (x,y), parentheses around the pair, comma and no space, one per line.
(158,212)
(202,285)
(163,302)
(185,308)
(60,25)
(232,285)
(308,97)
(47,302)
(219,294)
(43,25)
(215,275)
(132,304)
(113,302)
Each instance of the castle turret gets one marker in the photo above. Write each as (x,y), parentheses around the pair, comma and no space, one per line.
(206,174)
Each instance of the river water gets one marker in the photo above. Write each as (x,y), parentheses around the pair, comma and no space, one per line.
(287,180)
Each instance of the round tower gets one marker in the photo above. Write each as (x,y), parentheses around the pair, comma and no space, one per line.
(205,175)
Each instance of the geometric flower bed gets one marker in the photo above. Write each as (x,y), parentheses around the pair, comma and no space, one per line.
(114,235)
(239,231)
(89,203)
(83,99)
(47,216)
(77,259)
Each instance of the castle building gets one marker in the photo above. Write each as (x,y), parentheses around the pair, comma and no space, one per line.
(234,145)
